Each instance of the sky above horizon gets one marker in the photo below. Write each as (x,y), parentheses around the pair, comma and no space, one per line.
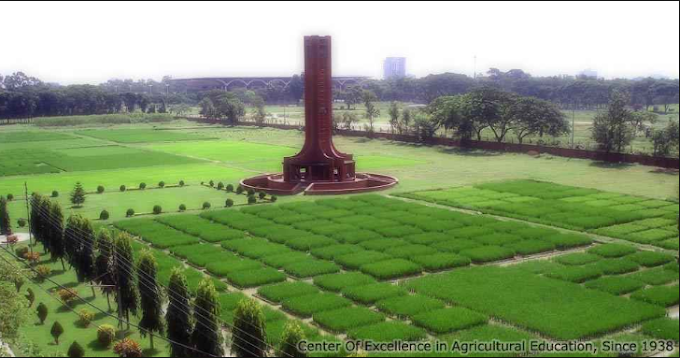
(91,42)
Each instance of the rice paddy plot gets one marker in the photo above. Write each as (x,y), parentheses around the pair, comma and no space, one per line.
(141,135)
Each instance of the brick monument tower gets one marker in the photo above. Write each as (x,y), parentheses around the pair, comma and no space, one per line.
(319,168)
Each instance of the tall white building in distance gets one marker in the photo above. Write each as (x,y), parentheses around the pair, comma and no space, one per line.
(394,67)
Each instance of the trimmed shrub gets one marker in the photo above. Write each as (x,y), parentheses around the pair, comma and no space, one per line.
(10,197)
(100,189)
(42,311)
(373,293)
(104,215)
(252,200)
(356,237)
(449,320)
(130,213)
(498,239)
(229,203)
(161,184)
(182,207)
(666,329)
(86,317)
(409,305)
(56,332)
(230,188)
(262,195)
(273,198)
(441,261)
(307,306)
(311,268)
(43,272)
(142,186)
(106,334)
(123,188)
(22,222)
(389,332)
(182,183)
(239,190)
(651,259)
(486,254)
(220,186)
(391,269)
(616,285)
(55,194)
(128,348)
(76,351)
(206,205)
(157,209)
(279,293)
(663,296)
(341,281)
(344,319)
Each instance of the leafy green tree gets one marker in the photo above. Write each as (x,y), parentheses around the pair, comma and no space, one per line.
(42,312)
(249,337)
(292,336)
(614,129)
(349,120)
(405,122)
(56,331)
(124,270)
(78,195)
(394,113)
(207,108)
(178,316)
(83,241)
(296,88)
(13,308)
(104,265)
(150,296)
(5,222)
(76,351)
(100,189)
(30,297)
(55,233)
(665,139)
(487,107)
(259,112)
(229,203)
(372,112)
(207,333)
(533,116)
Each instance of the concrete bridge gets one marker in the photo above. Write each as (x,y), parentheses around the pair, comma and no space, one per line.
(229,83)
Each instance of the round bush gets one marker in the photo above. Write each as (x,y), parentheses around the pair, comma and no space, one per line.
(86,317)
(76,351)
(220,186)
(229,203)
(181,183)
(182,207)
(230,188)
(105,335)
(142,186)
(251,192)
(206,205)
(274,199)
(157,209)
(239,190)
(262,195)
(100,189)
(22,222)
(104,215)
(252,200)
(212,183)
(123,188)
(10,197)
(161,184)
(21,252)
(130,213)
(55,194)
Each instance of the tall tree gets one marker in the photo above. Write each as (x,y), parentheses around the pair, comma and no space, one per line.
(126,293)
(55,233)
(207,335)
(372,112)
(614,128)
(72,239)
(178,315)
(104,265)
(394,116)
(533,116)
(5,223)
(259,113)
(78,195)
(150,296)
(249,337)
(86,269)
(489,107)
(296,88)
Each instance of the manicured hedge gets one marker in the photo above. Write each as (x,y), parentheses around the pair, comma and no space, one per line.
(611,251)
(449,320)
(344,319)
(391,269)
(356,260)
(577,259)
(311,268)
(373,293)
(307,306)
(487,254)
(576,274)
(664,296)
(389,332)
(664,328)
(616,285)
(279,293)
(341,281)
(651,259)
(255,278)
(441,261)
(409,305)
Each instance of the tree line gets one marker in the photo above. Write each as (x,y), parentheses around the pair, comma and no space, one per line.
(190,321)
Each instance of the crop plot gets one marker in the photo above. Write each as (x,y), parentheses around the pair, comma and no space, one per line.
(157,234)
(279,293)
(636,219)
(389,332)
(307,306)
(339,282)
(373,293)
(141,135)
(197,226)
(449,320)
(344,319)
(409,305)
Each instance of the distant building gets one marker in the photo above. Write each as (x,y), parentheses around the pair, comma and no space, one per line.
(588,73)
(394,67)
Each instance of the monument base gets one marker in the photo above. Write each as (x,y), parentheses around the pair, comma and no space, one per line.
(276,185)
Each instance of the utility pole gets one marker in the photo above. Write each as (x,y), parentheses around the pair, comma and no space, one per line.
(28,216)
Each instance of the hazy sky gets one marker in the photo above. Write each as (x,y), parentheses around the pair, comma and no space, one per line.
(83,42)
